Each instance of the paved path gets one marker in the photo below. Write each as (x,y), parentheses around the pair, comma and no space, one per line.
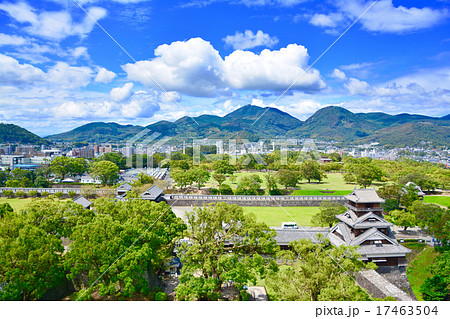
(258,293)
(180,211)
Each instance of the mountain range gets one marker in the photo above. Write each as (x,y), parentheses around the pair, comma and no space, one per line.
(257,123)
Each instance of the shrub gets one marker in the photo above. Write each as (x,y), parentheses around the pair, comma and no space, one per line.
(225,189)
(275,192)
(21,194)
(88,192)
(160,296)
(72,193)
(44,194)
(8,193)
(59,194)
(52,196)
(32,193)
(214,191)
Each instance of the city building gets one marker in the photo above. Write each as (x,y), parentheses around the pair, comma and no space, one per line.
(84,153)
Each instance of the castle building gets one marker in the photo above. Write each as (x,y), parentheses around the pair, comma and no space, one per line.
(364,226)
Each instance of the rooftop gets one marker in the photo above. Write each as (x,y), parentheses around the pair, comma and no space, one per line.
(368,195)
(82,201)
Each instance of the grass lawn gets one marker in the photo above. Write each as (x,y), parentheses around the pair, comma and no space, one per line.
(19,203)
(16,203)
(310,192)
(334,181)
(275,216)
(441,200)
(419,268)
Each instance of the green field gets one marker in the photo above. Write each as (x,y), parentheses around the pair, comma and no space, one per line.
(311,192)
(16,203)
(275,216)
(334,181)
(441,200)
(419,268)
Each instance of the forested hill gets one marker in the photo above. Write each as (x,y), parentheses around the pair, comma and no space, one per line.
(257,123)
(10,133)
(98,132)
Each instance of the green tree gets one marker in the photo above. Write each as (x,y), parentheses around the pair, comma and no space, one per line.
(327,214)
(423,181)
(317,272)
(78,166)
(116,158)
(61,166)
(249,185)
(143,179)
(311,171)
(349,178)
(41,182)
(272,185)
(220,178)
(366,174)
(225,189)
(402,218)
(408,196)
(435,289)
(288,178)
(8,193)
(199,176)
(435,218)
(183,164)
(4,176)
(5,208)
(21,194)
(181,178)
(223,167)
(122,245)
(106,171)
(226,244)
(30,259)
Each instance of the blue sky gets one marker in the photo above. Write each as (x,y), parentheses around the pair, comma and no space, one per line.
(59,70)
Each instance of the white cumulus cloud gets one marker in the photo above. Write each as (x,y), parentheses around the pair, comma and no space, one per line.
(55,25)
(192,67)
(121,93)
(331,20)
(272,70)
(67,76)
(248,40)
(382,17)
(14,73)
(105,76)
(357,87)
(195,68)
(338,74)
(6,39)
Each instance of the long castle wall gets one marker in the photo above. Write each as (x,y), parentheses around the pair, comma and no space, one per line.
(244,200)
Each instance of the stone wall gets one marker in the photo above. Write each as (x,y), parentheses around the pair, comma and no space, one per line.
(379,287)
(244,200)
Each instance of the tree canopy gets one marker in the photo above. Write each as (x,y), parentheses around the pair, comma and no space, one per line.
(327,214)
(106,171)
(224,245)
(317,272)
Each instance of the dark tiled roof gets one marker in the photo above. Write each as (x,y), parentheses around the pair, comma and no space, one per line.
(125,186)
(82,201)
(368,195)
(363,221)
(285,236)
(152,193)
